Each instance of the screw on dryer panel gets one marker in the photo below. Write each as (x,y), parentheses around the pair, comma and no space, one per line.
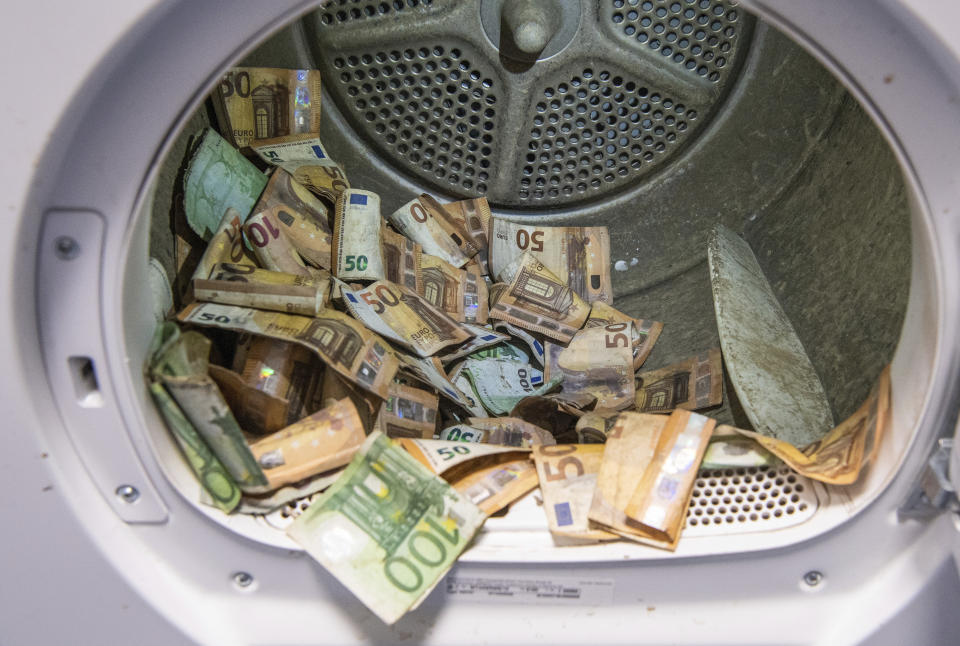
(66,248)
(128,493)
(243,579)
(813,578)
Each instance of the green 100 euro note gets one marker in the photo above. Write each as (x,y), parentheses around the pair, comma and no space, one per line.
(388,529)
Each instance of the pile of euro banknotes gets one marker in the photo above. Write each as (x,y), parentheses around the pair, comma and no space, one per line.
(412,373)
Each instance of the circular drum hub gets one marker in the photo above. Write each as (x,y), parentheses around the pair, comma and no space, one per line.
(619,89)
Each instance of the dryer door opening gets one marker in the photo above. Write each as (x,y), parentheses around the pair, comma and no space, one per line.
(616,131)
(634,123)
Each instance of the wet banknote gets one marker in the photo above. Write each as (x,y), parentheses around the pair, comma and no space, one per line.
(461,293)
(730,450)
(340,341)
(304,157)
(320,442)
(578,256)
(270,244)
(493,487)
(182,368)
(475,217)
(536,300)
(490,476)
(286,494)
(326,180)
(843,452)
(226,245)
(304,218)
(271,385)
(262,102)
(568,479)
(500,384)
(462,382)
(595,426)
(430,371)
(482,339)
(388,529)
(692,384)
(502,350)
(335,388)
(533,343)
(660,500)
(500,434)
(597,362)
(218,177)
(214,478)
(646,332)
(276,367)
(427,223)
(628,452)
(408,412)
(580,401)
(262,289)
(290,150)
(357,237)
(444,456)
(402,260)
(558,417)
(463,433)
(257,411)
(402,316)
(511,431)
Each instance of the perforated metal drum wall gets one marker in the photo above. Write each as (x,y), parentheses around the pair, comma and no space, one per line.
(429,108)
(423,84)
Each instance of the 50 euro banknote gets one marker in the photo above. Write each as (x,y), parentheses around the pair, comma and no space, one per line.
(340,341)
(578,256)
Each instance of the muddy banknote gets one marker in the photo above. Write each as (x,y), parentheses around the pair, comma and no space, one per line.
(578,256)
(305,158)
(403,316)
(271,246)
(226,245)
(660,500)
(645,332)
(388,529)
(842,454)
(262,289)
(536,300)
(693,384)
(340,341)
(597,362)
(264,102)
(317,443)
(301,215)
(427,223)
(218,177)
(568,479)
(409,412)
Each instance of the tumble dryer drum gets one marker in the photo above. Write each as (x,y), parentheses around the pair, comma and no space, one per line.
(659,119)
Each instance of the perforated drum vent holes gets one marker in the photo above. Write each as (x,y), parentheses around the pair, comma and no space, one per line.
(728,501)
(340,11)
(698,35)
(724,501)
(594,130)
(430,107)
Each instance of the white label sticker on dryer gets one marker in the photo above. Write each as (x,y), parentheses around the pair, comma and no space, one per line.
(533,589)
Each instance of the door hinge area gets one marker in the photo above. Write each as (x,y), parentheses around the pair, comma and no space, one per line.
(934,493)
